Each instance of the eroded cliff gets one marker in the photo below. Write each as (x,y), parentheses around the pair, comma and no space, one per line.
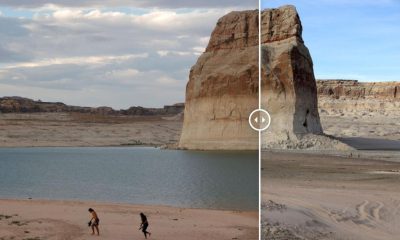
(223,87)
(289,90)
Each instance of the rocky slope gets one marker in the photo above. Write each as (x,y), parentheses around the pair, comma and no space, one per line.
(223,86)
(289,90)
(353,89)
(352,96)
(26,105)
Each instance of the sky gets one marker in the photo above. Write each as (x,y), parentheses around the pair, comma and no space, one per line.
(117,53)
(350,39)
(123,53)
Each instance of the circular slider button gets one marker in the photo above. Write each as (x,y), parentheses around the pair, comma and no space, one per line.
(259,120)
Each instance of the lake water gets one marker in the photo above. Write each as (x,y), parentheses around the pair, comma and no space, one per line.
(140,175)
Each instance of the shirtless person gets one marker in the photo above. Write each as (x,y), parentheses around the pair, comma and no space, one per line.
(144,225)
(94,221)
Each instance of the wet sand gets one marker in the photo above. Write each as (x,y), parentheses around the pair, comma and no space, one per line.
(65,220)
(354,195)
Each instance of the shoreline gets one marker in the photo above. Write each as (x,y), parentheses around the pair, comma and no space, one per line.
(65,219)
(83,201)
(160,147)
(84,146)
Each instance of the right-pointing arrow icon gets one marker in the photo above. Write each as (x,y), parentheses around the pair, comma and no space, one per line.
(259,119)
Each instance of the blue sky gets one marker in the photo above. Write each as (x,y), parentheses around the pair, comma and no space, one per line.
(351,39)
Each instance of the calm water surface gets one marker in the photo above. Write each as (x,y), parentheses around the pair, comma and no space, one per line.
(141,175)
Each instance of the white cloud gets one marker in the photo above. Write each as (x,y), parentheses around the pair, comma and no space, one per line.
(156,19)
(198,50)
(48,4)
(91,50)
(204,40)
(183,36)
(75,60)
(67,14)
(164,53)
(126,73)
(73,14)
(166,20)
(167,81)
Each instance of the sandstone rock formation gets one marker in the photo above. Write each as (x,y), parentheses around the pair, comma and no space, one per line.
(223,87)
(289,89)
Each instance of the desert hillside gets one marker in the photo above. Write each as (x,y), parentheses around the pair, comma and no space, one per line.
(26,105)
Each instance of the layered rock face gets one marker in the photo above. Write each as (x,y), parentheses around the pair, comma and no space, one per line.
(360,98)
(223,87)
(289,90)
(353,89)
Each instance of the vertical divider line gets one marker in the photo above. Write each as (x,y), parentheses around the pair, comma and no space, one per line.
(259,55)
(259,132)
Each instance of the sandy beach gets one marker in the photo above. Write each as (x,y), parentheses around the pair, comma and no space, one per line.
(330,196)
(63,220)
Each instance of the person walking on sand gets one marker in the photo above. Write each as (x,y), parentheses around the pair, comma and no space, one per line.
(94,221)
(144,225)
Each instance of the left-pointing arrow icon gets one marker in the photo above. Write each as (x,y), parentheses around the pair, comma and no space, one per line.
(259,120)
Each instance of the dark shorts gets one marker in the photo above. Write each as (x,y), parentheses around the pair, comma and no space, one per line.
(96,222)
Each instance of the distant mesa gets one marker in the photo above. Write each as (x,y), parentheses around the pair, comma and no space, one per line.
(337,96)
(26,105)
(353,89)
